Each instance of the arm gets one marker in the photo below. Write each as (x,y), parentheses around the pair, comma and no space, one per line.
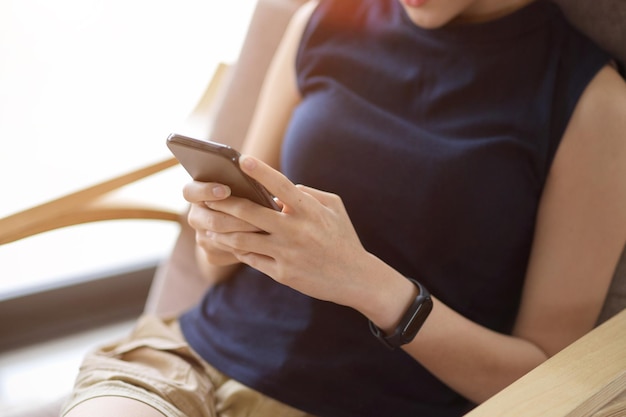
(579,235)
(279,94)
(584,379)
(278,97)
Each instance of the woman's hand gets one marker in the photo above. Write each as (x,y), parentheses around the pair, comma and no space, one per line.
(207,222)
(310,245)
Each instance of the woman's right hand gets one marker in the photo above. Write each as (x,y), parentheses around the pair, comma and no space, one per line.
(206,221)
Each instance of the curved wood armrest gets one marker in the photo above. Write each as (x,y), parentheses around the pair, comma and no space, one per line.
(86,205)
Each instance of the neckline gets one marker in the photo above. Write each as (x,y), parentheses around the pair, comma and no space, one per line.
(509,26)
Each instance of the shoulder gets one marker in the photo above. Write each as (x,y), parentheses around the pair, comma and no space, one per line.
(592,155)
(581,223)
(287,50)
(599,118)
(593,146)
(301,18)
(290,41)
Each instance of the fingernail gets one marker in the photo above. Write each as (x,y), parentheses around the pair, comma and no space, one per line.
(247,162)
(220,191)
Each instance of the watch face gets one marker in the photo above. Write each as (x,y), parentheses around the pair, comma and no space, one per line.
(410,323)
(418,318)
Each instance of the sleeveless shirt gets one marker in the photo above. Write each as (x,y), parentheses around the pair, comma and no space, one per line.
(439,143)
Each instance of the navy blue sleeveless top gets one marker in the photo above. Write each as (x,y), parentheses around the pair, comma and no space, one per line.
(439,143)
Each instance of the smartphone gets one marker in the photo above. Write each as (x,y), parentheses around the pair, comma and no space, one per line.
(209,161)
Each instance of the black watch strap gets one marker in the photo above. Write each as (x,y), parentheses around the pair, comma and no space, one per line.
(411,321)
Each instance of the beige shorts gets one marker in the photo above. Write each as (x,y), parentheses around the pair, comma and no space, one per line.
(156,366)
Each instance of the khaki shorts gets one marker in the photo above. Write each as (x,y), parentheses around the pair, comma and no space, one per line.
(155,365)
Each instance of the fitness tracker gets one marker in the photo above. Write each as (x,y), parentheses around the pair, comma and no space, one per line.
(411,321)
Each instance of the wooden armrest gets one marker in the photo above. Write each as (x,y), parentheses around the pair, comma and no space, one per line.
(86,205)
(588,378)
(98,202)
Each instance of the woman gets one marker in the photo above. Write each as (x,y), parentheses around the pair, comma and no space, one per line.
(472,146)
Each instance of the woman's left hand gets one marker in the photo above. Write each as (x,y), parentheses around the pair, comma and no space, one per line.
(310,245)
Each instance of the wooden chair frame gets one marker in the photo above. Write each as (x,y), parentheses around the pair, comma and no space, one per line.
(588,378)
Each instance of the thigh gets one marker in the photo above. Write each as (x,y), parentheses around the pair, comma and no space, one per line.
(153,365)
(114,406)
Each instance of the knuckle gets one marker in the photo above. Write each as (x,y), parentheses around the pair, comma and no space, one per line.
(336,200)
(212,223)
(196,218)
(283,188)
(285,278)
(203,240)
(192,219)
(238,240)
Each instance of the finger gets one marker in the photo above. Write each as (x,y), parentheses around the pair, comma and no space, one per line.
(197,192)
(247,211)
(259,262)
(276,183)
(243,243)
(202,218)
(211,247)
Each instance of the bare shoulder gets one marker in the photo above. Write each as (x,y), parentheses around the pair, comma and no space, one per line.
(601,111)
(596,134)
(594,143)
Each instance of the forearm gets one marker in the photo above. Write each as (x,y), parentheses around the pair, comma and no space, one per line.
(307,246)
(471,359)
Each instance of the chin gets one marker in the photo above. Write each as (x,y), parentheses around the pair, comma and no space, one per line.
(425,19)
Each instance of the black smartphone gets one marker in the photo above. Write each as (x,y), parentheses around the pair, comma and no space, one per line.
(209,161)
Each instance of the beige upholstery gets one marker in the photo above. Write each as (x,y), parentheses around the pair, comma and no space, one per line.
(177,284)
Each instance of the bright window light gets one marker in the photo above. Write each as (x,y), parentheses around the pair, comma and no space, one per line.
(90,89)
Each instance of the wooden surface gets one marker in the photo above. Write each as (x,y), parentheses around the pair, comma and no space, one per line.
(588,378)
(83,206)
